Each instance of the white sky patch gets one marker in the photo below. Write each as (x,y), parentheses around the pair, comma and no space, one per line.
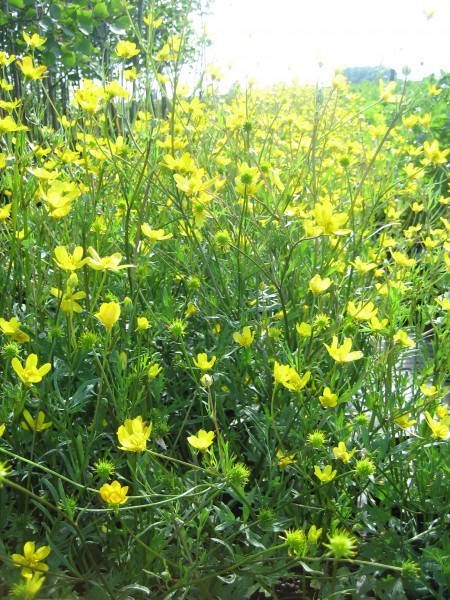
(281,40)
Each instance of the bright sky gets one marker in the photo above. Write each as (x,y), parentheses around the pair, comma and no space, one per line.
(279,40)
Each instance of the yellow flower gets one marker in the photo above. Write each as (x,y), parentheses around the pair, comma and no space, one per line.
(30,373)
(289,378)
(303,329)
(438,428)
(433,154)
(29,70)
(248,181)
(155,235)
(361,311)
(362,267)
(125,49)
(314,534)
(133,435)
(402,259)
(6,59)
(5,212)
(69,304)
(202,441)
(153,371)
(326,475)
(245,338)
(113,493)
(69,262)
(32,559)
(404,421)
(11,328)
(8,125)
(151,22)
(342,353)
(285,460)
(433,90)
(130,74)
(376,325)
(2,429)
(190,310)
(341,452)
(441,411)
(142,324)
(33,584)
(34,425)
(203,363)
(403,339)
(328,399)
(107,263)
(34,41)
(429,391)
(330,223)
(318,285)
(108,314)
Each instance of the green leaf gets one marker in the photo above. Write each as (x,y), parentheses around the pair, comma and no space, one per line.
(84,46)
(85,21)
(68,59)
(101,11)
(55,12)
(120,25)
(17,3)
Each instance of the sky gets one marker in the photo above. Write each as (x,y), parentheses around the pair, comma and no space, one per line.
(274,41)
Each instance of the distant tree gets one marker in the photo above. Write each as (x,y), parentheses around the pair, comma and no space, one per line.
(358,74)
(81,36)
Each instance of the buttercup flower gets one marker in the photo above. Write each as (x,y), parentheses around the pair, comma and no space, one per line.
(34,41)
(318,285)
(326,475)
(29,70)
(303,329)
(202,441)
(69,262)
(153,371)
(114,493)
(245,338)
(203,363)
(133,435)
(361,311)
(126,49)
(69,304)
(142,324)
(108,314)
(328,399)
(11,328)
(403,339)
(285,459)
(438,428)
(155,235)
(33,584)
(343,353)
(32,559)
(404,421)
(34,424)
(429,391)
(314,534)
(30,373)
(107,263)
(341,452)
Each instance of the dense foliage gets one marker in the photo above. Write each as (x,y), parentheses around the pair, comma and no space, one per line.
(225,339)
